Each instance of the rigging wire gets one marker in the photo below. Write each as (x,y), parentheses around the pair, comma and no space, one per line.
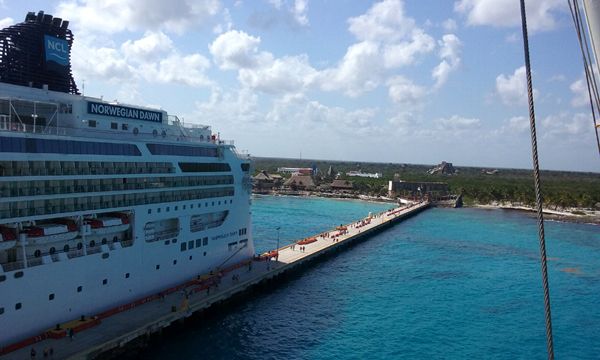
(538,195)
(592,86)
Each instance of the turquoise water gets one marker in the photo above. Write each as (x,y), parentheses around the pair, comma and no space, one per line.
(446,284)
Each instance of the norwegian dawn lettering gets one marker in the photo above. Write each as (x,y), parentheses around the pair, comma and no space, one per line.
(124,112)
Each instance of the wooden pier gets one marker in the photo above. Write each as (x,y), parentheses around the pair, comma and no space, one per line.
(114,329)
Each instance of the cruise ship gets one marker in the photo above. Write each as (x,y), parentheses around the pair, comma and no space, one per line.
(102,203)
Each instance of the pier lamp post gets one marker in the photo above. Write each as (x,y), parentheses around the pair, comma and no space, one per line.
(277,228)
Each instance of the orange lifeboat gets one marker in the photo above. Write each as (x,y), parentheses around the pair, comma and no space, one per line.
(307,241)
(60,230)
(8,239)
(114,223)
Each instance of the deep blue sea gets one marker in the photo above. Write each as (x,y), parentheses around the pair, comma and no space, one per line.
(446,284)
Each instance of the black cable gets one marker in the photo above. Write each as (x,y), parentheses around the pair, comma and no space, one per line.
(538,195)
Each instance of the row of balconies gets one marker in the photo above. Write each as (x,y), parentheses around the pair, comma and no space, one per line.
(62,168)
(53,187)
(89,203)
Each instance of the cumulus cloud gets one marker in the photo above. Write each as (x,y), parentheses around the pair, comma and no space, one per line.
(449,25)
(567,126)
(133,15)
(512,89)
(580,93)
(384,21)
(406,52)
(450,48)
(152,58)
(541,14)
(405,92)
(288,74)
(235,49)
(6,22)
(518,124)
(458,123)
(359,70)
(300,11)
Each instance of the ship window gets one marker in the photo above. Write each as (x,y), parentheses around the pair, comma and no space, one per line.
(167,242)
(124,126)
(2,278)
(52,250)
(92,123)
(179,150)
(149,211)
(190,257)
(1,310)
(92,243)
(126,275)
(104,241)
(79,288)
(66,248)
(183,246)
(205,241)
(114,126)
(157,267)
(174,241)
(51,297)
(168,209)
(192,206)
(158,210)
(18,306)
(245,167)
(174,262)
(198,242)
(37,253)
(183,207)
(175,208)
(213,203)
(205,253)
(219,203)
(191,244)
(204,167)
(79,246)
(105,281)
(115,238)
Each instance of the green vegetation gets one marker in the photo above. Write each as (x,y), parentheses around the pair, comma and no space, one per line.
(560,189)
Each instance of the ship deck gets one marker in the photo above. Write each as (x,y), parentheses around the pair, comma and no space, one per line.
(116,330)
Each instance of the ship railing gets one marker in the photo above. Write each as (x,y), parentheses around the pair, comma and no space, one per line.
(185,137)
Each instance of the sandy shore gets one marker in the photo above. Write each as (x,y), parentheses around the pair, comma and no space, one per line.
(590,217)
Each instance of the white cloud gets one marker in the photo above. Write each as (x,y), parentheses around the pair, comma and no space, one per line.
(133,15)
(384,21)
(580,93)
(541,14)
(359,71)
(450,49)
(153,46)
(457,123)
(277,4)
(513,88)
(289,74)
(566,126)
(449,25)
(6,22)
(518,124)
(405,52)
(299,12)
(405,92)
(152,58)
(235,49)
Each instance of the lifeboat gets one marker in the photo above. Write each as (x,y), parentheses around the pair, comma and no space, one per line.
(8,239)
(307,241)
(116,222)
(61,230)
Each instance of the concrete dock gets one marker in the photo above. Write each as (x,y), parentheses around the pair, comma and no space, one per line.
(115,331)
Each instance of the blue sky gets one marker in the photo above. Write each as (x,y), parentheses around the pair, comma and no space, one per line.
(385,81)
